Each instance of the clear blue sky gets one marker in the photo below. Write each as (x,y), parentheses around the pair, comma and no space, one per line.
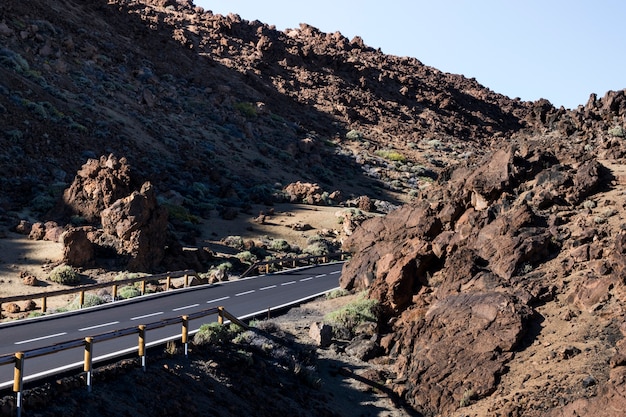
(561,50)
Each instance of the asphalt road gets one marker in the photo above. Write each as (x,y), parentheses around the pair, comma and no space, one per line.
(242,298)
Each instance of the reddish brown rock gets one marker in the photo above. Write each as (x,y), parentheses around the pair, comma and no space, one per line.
(462,344)
(140,226)
(78,249)
(37,231)
(30,280)
(97,185)
(12,308)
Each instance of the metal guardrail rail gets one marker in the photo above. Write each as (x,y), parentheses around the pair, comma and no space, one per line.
(19,358)
(114,284)
(294,261)
(291,262)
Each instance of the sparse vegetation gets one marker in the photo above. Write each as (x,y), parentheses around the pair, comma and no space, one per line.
(354,135)
(280,245)
(211,333)
(91,300)
(128,291)
(64,274)
(347,318)
(617,131)
(391,155)
(247,109)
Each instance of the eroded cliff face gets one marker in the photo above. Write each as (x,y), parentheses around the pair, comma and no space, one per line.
(496,271)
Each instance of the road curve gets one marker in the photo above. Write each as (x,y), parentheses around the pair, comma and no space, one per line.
(243,298)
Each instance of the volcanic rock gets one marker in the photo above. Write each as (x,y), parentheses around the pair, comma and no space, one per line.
(140,225)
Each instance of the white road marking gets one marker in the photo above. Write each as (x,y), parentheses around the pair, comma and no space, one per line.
(267,288)
(98,325)
(320,276)
(40,338)
(146,316)
(335,273)
(217,299)
(185,307)
(288,283)
(244,293)
(306,279)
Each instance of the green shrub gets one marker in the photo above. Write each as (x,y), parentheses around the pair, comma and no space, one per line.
(211,333)
(347,318)
(90,300)
(340,292)
(391,155)
(64,274)
(128,291)
(354,135)
(617,131)
(247,109)
(234,242)
(317,249)
(280,245)
(225,266)
(247,257)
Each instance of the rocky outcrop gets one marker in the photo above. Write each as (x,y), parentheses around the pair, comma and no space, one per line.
(97,185)
(134,227)
(458,276)
(139,225)
(305,192)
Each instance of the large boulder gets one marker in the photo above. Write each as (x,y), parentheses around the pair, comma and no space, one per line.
(460,345)
(140,226)
(97,185)
(78,250)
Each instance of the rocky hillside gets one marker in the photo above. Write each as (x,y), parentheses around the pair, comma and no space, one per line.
(220,110)
(502,287)
(501,280)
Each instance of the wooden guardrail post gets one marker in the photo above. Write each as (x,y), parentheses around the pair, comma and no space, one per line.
(267,268)
(168,283)
(220,317)
(185,334)
(142,345)
(114,292)
(88,360)
(186,280)
(82,299)
(44,304)
(143,287)
(18,379)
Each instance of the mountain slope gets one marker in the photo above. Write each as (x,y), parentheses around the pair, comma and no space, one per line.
(197,101)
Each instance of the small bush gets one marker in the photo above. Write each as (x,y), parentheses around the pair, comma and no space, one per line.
(354,135)
(128,291)
(347,318)
(246,257)
(64,274)
(280,245)
(391,155)
(211,333)
(234,242)
(246,109)
(340,292)
(317,249)
(225,266)
(617,131)
(90,300)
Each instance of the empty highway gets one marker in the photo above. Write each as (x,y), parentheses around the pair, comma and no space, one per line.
(243,298)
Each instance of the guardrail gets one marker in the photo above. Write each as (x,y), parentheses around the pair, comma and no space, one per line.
(294,261)
(19,358)
(114,284)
